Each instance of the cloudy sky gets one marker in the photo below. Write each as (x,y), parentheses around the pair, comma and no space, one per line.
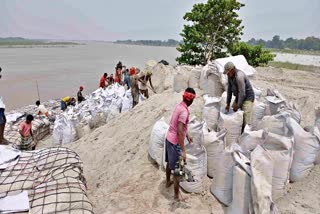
(147,19)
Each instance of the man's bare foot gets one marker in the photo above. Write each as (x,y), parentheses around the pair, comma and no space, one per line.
(180,198)
(169,184)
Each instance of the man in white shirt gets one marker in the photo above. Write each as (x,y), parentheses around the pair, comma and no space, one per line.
(41,110)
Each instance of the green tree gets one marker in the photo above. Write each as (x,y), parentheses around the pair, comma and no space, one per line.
(255,55)
(214,27)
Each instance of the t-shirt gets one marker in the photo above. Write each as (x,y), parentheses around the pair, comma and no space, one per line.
(180,114)
(25,128)
(102,82)
(66,99)
(1,115)
(42,110)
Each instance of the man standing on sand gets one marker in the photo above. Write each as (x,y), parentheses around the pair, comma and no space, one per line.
(25,131)
(178,131)
(3,121)
(102,83)
(80,96)
(144,79)
(240,86)
(134,86)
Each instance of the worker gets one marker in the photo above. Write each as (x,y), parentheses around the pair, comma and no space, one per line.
(134,86)
(80,96)
(41,110)
(3,121)
(102,83)
(110,79)
(178,131)
(143,81)
(25,131)
(127,78)
(239,85)
(118,74)
(67,101)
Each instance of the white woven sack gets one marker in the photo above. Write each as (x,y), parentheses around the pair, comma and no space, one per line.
(259,109)
(210,111)
(195,130)
(233,123)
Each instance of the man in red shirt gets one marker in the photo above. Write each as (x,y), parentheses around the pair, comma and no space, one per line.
(178,131)
(103,81)
(25,131)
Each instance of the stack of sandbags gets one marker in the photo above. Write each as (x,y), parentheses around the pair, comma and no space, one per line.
(197,163)
(157,141)
(127,102)
(52,177)
(250,139)
(64,131)
(210,112)
(232,122)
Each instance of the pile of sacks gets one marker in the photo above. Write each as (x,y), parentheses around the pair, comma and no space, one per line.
(272,151)
(98,108)
(41,125)
(42,181)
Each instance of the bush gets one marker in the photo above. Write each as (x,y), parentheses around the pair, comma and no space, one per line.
(255,55)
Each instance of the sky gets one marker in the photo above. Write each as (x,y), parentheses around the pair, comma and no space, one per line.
(110,20)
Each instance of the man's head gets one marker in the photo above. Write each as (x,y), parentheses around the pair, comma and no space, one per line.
(111,75)
(229,69)
(29,118)
(132,71)
(105,75)
(81,88)
(188,96)
(38,103)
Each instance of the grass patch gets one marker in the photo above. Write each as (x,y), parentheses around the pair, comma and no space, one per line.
(295,51)
(293,66)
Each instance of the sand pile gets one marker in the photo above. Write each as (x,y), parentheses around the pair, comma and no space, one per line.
(122,179)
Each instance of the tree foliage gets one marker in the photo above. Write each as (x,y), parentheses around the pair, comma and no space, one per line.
(309,43)
(213,28)
(255,55)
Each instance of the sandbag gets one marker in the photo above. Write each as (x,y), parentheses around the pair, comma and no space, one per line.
(221,186)
(195,130)
(197,163)
(250,139)
(127,102)
(63,131)
(233,123)
(180,80)
(194,80)
(280,149)
(241,190)
(214,143)
(306,148)
(261,182)
(259,109)
(162,77)
(274,105)
(210,112)
(157,140)
(210,81)
(275,124)
(257,92)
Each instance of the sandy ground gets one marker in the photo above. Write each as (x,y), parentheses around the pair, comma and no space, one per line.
(121,179)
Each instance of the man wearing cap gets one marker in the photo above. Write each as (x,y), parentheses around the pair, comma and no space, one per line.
(80,96)
(144,78)
(240,86)
(178,131)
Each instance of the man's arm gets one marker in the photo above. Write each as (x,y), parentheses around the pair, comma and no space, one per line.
(229,93)
(151,83)
(181,139)
(241,90)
